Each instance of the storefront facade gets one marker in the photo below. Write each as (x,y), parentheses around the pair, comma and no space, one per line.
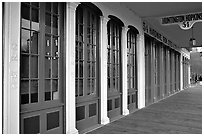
(71,67)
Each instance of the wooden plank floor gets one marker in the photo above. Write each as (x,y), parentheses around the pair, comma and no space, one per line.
(180,113)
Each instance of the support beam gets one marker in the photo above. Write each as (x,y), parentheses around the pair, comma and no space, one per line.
(181,71)
(141,70)
(103,69)
(11,67)
(125,110)
(70,68)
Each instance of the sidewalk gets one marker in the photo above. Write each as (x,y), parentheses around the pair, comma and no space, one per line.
(180,113)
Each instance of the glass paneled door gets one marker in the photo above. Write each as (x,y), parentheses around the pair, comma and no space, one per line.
(86,66)
(132,69)
(114,103)
(41,68)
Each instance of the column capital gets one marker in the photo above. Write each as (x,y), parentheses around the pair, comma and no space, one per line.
(104,19)
(73,5)
(125,29)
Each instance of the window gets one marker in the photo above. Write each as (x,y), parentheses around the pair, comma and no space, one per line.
(29,86)
(86,51)
(114,55)
(86,65)
(41,65)
(131,59)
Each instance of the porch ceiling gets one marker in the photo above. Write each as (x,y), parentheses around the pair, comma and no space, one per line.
(153,11)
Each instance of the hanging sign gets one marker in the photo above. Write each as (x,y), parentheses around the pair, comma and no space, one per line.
(154,33)
(184,21)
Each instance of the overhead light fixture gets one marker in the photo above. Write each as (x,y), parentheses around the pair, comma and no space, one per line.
(192,41)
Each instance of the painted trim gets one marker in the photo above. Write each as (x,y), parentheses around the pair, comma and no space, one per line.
(141,70)
(70,68)
(181,71)
(11,83)
(125,110)
(103,71)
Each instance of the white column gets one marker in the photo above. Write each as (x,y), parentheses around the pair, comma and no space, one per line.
(11,46)
(70,68)
(125,110)
(181,71)
(189,74)
(103,69)
(141,70)
(1,69)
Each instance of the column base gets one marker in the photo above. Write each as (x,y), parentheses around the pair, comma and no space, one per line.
(73,131)
(126,112)
(105,121)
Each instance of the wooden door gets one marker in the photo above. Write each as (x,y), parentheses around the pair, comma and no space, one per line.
(148,71)
(114,69)
(157,70)
(165,75)
(132,69)
(41,68)
(87,66)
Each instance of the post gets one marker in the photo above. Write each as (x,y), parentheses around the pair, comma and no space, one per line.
(181,71)
(141,70)
(70,68)
(103,70)
(125,110)
(11,68)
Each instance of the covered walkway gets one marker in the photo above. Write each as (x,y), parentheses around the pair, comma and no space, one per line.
(180,113)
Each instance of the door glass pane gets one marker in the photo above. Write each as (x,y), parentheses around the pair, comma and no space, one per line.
(47,67)
(89,87)
(36,4)
(76,69)
(55,7)
(81,51)
(80,87)
(48,23)
(34,67)
(34,42)
(47,90)
(25,23)
(24,66)
(114,57)
(47,45)
(116,83)
(93,69)
(35,19)
(48,6)
(24,89)
(55,68)
(55,25)
(55,92)
(94,53)
(76,88)
(108,82)
(93,86)
(108,70)
(89,54)
(113,82)
(81,69)
(94,36)
(25,41)
(55,47)
(34,91)
(81,28)
(109,60)
(113,70)
(89,69)
(25,15)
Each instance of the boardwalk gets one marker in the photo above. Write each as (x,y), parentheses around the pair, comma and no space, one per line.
(180,113)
